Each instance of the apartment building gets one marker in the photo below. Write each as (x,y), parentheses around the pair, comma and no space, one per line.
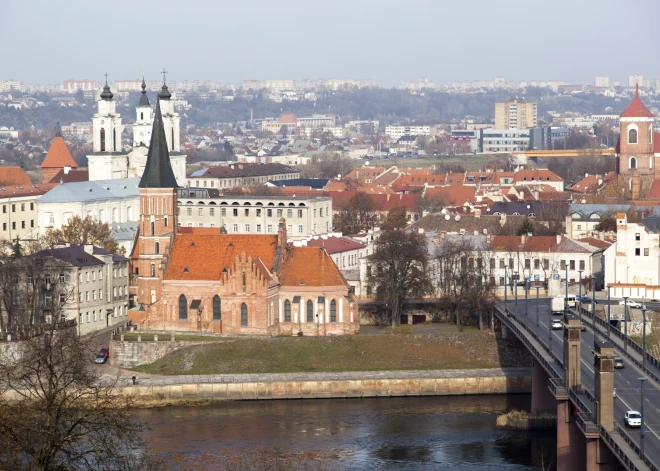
(18,213)
(397,132)
(516,114)
(504,140)
(317,121)
(242,174)
(198,207)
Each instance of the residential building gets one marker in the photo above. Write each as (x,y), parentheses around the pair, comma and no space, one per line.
(18,210)
(205,280)
(504,140)
(602,82)
(516,114)
(242,174)
(635,80)
(72,86)
(396,132)
(548,137)
(317,121)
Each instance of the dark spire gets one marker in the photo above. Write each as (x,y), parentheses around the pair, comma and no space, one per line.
(164,92)
(58,130)
(144,99)
(158,170)
(106,94)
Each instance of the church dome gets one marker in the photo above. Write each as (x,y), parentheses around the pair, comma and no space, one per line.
(144,99)
(106,94)
(164,93)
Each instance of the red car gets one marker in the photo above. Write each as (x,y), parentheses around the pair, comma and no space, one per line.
(105,350)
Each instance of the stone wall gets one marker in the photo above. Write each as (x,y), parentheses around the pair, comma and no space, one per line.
(131,354)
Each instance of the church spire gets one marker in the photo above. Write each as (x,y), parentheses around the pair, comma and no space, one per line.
(158,170)
(144,99)
(164,92)
(106,94)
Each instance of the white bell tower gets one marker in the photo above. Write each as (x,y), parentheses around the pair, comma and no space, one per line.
(144,120)
(171,119)
(106,124)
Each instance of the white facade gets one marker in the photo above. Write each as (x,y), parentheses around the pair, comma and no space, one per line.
(397,132)
(144,121)
(107,128)
(504,140)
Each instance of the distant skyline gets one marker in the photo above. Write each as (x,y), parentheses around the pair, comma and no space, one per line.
(386,41)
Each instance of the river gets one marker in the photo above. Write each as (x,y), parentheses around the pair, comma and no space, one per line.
(415,433)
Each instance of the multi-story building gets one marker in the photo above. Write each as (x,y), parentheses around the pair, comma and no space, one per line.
(516,114)
(397,132)
(19,215)
(92,285)
(317,121)
(634,80)
(72,86)
(602,82)
(548,137)
(504,140)
(305,217)
(241,175)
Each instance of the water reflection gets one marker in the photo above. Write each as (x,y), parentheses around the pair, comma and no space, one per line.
(424,433)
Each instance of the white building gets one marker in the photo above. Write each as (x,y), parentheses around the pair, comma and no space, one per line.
(109,161)
(504,140)
(634,80)
(397,132)
(602,82)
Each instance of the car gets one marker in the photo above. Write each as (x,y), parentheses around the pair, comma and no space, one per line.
(100,358)
(586,300)
(105,350)
(556,324)
(632,418)
(630,303)
(618,362)
(583,327)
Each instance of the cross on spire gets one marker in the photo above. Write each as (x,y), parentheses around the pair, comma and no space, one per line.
(164,72)
(106,78)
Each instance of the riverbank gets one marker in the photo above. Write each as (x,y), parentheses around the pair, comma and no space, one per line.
(196,389)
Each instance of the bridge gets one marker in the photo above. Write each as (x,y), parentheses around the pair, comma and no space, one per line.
(553,154)
(574,377)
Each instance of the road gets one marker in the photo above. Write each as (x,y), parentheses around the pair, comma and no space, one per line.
(626,380)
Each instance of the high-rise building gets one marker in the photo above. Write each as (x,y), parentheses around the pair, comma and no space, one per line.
(602,82)
(516,114)
(634,80)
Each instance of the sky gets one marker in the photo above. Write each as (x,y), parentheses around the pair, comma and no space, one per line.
(390,41)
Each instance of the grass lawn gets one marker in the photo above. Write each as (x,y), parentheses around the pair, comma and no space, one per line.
(387,350)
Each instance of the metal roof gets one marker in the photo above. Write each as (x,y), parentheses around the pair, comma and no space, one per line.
(98,190)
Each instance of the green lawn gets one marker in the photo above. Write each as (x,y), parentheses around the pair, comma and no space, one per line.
(400,350)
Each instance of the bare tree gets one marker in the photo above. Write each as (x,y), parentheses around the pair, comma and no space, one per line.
(358,214)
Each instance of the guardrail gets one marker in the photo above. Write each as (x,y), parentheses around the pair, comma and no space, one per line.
(586,424)
(616,449)
(634,446)
(557,387)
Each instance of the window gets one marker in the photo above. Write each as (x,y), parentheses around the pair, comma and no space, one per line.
(235,212)
(93,276)
(244,283)
(247,211)
(86,276)
(572,265)
(101,293)
(279,213)
(183,308)
(289,228)
(537,264)
(153,269)
(269,228)
(114,273)
(247,228)
(528,263)
(637,236)
(86,295)
(102,140)
(258,212)
(61,277)
(511,263)
(632,136)
(157,247)
(333,311)
(80,277)
(287,311)
(217,314)
(637,252)
(633,163)
(562,265)
(114,292)
(223,211)
(4,208)
(235,227)
(310,311)
(31,206)
(581,264)
(646,252)
(93,295)
(189,211)
(211,211)
(300,229)
(244,315)
(492,263)
(546,264)
(200,212)
(269,213)
(289,213)
(300,212)
(258,227)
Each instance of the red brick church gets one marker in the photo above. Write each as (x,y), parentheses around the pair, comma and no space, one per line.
(205,280)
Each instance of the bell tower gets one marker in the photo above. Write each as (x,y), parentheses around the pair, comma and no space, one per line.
(106,123)
(158,218)
(144,120)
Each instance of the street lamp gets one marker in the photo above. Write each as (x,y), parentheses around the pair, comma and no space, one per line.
(608,311)
(566,284)
(537,310)
(526,292)
(625,323)
(505,285)
(642,380)
(644,337)
(580,289)
(514,279)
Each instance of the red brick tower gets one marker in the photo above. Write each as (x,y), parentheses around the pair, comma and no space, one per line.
(158,218)
(636,162)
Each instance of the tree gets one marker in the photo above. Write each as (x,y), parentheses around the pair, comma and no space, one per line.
(398,270)
(608,224)
(57,413)
(432,204)
(397,217)
(554,213)
(84,231)
(357,215)
(526,227)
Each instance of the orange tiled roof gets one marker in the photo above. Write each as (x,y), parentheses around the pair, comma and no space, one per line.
(455,195)
(58,155)
(310,266)
(637,109)
(203,253)
(13,176)
(536,175)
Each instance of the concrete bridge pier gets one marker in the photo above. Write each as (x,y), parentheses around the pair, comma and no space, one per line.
(543,401)
(505,331)
(571,446)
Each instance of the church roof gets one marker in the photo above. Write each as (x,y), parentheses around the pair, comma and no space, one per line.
(97,190)
(106,94)
(203,253)
(58,155)
(144,99)
(158,169)
(164,93)
(310,266)
(637,109)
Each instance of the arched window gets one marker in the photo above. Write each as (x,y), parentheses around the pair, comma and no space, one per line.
(244,315)
(333,311)
(153,269)
(244,284)
(157,247)
(632,136)
(183,308)
(102,140)
(114,140)
(633,162)
(217,313)
(287,311)
(310,311)
(153,227)
(141,115)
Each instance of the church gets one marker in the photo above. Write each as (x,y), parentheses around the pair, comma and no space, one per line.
(204,280)
(638,150)
(108,161)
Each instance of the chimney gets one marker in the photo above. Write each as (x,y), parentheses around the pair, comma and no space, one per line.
(89,248)
(281,235)
(477,212)
(476,232)
(558,239)
(489,238)
(523,239)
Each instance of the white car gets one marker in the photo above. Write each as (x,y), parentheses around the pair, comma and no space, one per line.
(556,324)
(631,304)
(633,419)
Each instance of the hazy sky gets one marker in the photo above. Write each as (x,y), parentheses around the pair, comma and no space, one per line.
(48,41)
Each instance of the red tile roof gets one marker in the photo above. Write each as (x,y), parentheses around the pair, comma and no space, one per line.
(13,176)
(27,190)
(637,109)
(310,266)
(537,244)
(58,155)
(536,175)
(335,244)
(72,176)
(455,195)
(203,253)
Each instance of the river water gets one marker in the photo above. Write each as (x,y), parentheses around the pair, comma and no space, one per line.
(416,433)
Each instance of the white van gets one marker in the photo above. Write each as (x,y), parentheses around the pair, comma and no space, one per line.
(571,300)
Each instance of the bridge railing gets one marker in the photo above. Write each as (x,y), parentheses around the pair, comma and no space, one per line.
(635,447)
(507,319)
(586,424)
(557,387)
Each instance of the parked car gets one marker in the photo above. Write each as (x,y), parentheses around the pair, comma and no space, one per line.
(584,299)
(105,350)
(618,362)
(556,324)
(633,419)
(100,358)
(630,303)
(583,327)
